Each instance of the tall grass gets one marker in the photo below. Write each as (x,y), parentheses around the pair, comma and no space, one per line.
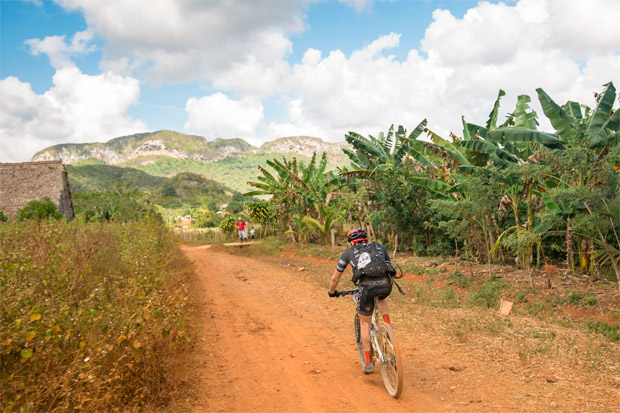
(91,314)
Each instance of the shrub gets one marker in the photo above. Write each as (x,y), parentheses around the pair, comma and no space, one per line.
(91,314)
(3,218)
(611,332)
(228,225)
(43,209)
(573,298)
(488,295)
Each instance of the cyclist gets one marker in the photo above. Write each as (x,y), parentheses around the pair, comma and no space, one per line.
(369,287)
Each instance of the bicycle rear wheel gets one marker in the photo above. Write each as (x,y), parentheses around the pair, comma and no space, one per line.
(392,369)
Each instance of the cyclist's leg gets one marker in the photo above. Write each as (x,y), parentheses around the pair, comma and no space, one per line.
(383,307)
(365,331)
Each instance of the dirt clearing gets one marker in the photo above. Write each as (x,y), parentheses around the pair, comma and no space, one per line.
(273,341)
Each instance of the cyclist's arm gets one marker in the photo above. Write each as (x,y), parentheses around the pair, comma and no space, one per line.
(333,283)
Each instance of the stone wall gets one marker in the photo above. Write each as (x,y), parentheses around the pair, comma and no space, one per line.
(21,183)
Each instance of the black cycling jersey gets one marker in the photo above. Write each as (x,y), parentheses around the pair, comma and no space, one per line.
(369,287)
(348,256)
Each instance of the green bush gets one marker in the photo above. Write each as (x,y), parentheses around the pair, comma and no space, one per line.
(228,224)
(3,218)
(488,294)
(91,314)
(573,298)
(611,332)
(43,209)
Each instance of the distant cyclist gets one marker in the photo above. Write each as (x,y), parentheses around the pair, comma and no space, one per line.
(371,265)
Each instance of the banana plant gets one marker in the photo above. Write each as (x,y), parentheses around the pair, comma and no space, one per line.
(330,217)
(600,127)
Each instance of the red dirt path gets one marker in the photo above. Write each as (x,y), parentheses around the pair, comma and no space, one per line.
(273,341)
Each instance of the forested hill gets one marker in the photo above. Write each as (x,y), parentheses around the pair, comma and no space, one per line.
(179,146)
(231,162)
(184,187)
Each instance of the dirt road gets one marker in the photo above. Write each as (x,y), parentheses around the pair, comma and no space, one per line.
(273,341)
(276,343)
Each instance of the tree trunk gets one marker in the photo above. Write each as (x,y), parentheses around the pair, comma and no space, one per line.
(569,245)
(428,237)
(616,265)
(292,234)
(529,273)
(395,246)
(594,270)
(265,231)
(333,233)
(583,256)
(372,230)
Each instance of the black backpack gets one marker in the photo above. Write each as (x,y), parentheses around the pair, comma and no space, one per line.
(369,261)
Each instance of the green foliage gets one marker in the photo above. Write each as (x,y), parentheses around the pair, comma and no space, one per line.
(228,225)
(488,295)
(460,279)
(91,314)
(610,331)
(100,178)
(120,205)
(43,209)
(573,298)
(3,218)
(590,300)
(262,212)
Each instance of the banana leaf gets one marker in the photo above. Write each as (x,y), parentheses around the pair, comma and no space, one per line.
(492,122)
(556,115)
(607,138)
(489,149)
(429,183)
(453,150)
(503,135)
(596,124)
(573,109)
(418,130)
(523,118)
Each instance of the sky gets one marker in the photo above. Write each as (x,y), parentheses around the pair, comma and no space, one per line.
(77,71)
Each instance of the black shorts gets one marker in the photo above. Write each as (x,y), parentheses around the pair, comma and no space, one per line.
(370,288)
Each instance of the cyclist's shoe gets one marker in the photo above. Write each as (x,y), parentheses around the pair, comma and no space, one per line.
(368,368)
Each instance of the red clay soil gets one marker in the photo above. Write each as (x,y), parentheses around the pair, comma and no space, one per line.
(273,341)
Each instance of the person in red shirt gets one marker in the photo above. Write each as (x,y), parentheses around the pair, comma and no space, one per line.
(241,226)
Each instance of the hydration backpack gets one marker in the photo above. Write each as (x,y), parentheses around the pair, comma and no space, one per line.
(369,261)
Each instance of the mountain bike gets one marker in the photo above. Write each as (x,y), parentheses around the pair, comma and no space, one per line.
(384,348)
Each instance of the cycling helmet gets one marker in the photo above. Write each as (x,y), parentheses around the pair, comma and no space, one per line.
(357,235)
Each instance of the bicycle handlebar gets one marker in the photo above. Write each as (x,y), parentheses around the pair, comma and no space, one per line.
(348,292)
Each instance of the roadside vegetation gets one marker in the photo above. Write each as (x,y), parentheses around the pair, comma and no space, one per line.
(502,193)
(94,312)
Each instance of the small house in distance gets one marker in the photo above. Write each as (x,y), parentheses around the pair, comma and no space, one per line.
(23,182)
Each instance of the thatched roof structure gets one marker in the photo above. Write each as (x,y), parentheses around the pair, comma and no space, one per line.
(23,182)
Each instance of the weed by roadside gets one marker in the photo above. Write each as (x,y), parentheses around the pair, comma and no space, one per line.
(91,314)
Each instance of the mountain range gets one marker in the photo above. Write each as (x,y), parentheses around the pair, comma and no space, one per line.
(165,153)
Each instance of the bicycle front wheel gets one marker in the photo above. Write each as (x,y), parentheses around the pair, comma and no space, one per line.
(392,368)
(358,339)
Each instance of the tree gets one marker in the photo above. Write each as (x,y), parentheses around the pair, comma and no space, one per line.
(42,209)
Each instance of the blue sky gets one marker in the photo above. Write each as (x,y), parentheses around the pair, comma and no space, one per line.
(85,71)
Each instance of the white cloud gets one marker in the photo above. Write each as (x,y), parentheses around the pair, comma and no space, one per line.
(78,108)
(218,116)
(178,41)
(58,50)
(566,50)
